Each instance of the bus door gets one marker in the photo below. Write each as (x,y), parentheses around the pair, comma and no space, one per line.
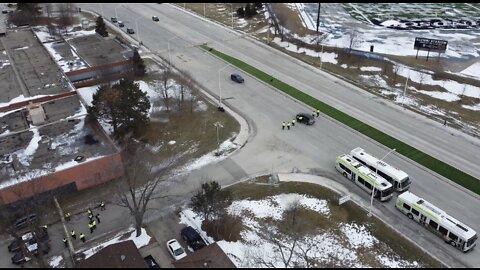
(423,218)
(353,175)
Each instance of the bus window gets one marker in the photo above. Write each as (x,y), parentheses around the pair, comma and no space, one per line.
(415,212)
(433,224)
(453,236)
(406,206)
(442,230)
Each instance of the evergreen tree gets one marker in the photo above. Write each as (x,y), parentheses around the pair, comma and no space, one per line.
(248,10)
(240,12)
(122,105)
(210,200)
(100,27)
(138,65)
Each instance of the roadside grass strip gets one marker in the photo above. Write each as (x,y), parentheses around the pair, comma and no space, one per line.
(416,155)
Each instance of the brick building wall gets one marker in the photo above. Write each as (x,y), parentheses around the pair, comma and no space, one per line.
(82,176)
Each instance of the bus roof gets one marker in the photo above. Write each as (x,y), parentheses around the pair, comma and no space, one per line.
(385,167)
(379,182)
(441,216)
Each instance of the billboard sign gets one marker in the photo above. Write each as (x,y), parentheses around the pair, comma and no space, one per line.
(427,44)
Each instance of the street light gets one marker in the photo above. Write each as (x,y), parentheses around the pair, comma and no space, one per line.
(116,15)
(138,33)
(220,87)
(101,8)
(218,125)
(404,90)
(373,190)
(169,53)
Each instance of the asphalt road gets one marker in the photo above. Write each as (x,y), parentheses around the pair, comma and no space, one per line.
(308,148)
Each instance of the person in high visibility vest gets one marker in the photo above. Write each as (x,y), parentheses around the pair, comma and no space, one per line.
(102,205)
(283,125)
(65,242)
(94,224)
(82,237)
(293,122)
(45,227)
(72,233)
(89,211)
(318,113)
(67,216)
(288,125)
(90,226)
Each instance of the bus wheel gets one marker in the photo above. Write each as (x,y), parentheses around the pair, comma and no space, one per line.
(410,216)
(345,174)
(453,243)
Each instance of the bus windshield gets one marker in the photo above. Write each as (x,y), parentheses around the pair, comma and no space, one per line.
(387,192)
(471,240)
(405,182)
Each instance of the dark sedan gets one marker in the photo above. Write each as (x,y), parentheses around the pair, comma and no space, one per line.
(305,118)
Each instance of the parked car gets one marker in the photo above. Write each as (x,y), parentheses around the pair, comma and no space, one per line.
(175,249)
(130,31)
(155,18)
(305,118)
(113,19)
(192,237)
(27,238)
(237,78)
(121,24)
(151,262)
(24,221)
(20,258)
(5,11)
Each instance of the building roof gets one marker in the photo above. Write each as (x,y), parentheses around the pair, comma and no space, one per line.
(120,255)
(211,256)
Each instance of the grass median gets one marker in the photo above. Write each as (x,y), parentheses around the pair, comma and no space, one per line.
(414,154)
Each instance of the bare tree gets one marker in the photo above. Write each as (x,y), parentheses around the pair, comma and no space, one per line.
(422,77)
(48,9)
(463,93)
(65,16)
(353,40)
(138,186)
(162,90)
(396,69)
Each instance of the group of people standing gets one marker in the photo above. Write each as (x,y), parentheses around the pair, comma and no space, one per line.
(92,224)
(288,124)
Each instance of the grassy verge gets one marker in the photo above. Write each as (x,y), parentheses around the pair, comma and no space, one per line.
(416,155)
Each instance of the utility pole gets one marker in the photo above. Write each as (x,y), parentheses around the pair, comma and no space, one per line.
(405,90)
(373,187)
(318,17)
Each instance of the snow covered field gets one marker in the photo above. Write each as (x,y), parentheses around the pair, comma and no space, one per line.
(345,246)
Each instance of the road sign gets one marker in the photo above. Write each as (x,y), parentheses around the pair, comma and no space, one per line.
(343,199)
(427,44)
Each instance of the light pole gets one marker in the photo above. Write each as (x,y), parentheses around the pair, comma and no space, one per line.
(138,33)
(218,125)
(101,8)
(373,189)
(116,15)
(169,53)
(231,11)
(404,90)
(220,87)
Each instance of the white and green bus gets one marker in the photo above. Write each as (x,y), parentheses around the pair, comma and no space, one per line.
(398,178)
(364,177)
(436,220)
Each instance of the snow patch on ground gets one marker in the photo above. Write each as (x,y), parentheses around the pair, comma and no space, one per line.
(54,261)
(474,107)
(447,96)
(140,241)
(370,69)
(225,148)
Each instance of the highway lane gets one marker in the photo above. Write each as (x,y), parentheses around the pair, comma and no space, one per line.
(463,151)
(303,147)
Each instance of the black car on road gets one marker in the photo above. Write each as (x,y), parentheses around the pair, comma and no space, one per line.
(193,238)
(155,18)
(20,258)
(305,118)
(130,31)
(237,78)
